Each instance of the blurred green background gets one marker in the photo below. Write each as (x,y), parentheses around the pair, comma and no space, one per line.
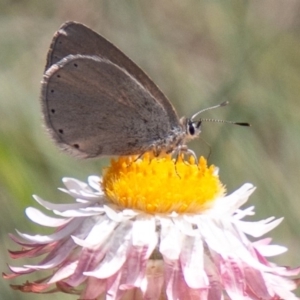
(200,53)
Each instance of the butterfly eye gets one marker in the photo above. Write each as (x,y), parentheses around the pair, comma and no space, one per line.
(193,127)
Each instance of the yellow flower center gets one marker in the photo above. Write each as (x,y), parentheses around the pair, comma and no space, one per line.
(161,185)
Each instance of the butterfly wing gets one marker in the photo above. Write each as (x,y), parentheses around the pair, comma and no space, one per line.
(94,107)
(75,38)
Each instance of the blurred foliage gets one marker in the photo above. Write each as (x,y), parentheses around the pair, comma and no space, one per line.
(200,53)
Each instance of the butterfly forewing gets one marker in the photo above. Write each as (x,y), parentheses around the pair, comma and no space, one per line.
(93,107)
(75,38)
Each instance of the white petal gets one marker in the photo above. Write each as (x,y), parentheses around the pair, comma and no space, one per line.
(242,213)
(228,205)
(100,232)
(117,216)
(44,239)
(83,212)
(20,270)
(259,228)
(74,184)
(59,207)
(143,233)
(130,213)
(84,196)
(270,250)
(170,239)
(40,218)
(184,224)
(192,261)
(94,182)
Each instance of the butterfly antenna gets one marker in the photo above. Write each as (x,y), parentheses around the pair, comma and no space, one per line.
(217,121)
(209,108)
(227,122)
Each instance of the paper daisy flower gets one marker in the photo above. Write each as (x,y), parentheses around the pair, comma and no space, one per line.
(152,229)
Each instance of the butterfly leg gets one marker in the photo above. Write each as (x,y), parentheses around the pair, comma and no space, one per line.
(184,150)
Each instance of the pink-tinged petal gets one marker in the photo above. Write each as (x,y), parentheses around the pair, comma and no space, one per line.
(18,271)
(109,251)
(32,287)
(94,288)
(31,252)
(233,278)
(117,252)
(215,291)
(64,249)
(20,241)
(62,233)
(192,263)
(93,251)
(40,218)
(152,284)
(57,255)
(176,287)
(134,294)
(256,287)
(144,241)
(64,271)
(60,207)
(281,286)
(223,239)
(262,242)
(113,292)
(274,268)
(88,260)
(111,287)
(136,265)
(291,272)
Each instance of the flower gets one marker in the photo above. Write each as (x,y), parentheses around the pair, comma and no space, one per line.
(152,229)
